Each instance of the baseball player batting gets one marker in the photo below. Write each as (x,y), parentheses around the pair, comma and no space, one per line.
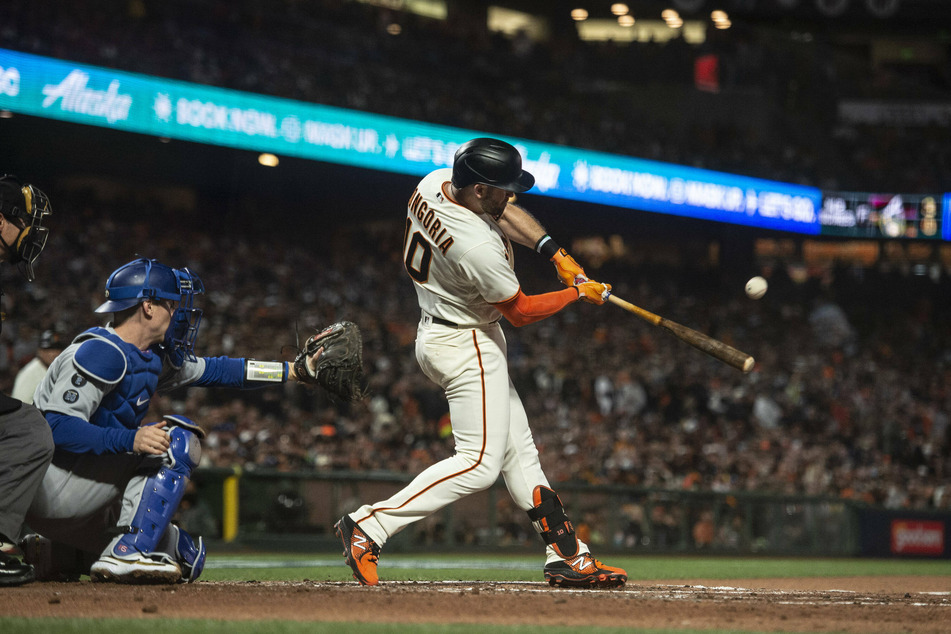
(457,248)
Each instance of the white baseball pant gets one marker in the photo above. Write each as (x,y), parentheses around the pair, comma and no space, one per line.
(489,425)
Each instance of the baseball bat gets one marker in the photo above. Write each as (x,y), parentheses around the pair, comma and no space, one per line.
(716,349)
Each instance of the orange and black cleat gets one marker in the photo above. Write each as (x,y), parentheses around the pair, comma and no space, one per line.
(359,550)
(584,571)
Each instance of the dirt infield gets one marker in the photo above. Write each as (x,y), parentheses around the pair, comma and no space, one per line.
(842,604)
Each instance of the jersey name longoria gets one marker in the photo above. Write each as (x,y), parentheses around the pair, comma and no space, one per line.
(460,260)
(429,221)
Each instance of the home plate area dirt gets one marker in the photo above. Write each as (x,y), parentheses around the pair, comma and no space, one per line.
(841,604)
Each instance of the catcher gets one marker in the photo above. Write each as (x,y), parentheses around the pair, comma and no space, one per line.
(105,504)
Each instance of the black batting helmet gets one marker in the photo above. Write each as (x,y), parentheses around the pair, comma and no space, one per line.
(490,162)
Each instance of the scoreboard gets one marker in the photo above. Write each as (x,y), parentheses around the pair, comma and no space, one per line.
(876,215)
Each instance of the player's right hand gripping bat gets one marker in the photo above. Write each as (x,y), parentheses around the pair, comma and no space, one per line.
(716,349)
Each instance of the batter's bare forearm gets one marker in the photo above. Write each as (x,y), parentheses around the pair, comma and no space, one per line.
(520,226)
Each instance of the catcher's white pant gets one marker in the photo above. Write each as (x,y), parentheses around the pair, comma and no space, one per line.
(489,425)
(83,496)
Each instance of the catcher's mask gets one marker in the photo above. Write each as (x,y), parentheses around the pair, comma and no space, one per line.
(490,162)
(183,331)
(26,207)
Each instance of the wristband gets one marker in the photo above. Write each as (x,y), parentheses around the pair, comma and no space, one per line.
(547,247)
(265,371)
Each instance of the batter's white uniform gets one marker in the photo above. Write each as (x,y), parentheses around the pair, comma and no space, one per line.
(462,263)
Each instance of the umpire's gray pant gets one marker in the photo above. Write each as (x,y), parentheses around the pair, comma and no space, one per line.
(26,448)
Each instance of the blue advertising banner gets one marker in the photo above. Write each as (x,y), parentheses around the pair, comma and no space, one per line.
(57,89)
(946,218)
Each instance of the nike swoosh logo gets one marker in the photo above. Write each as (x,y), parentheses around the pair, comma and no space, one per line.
(141,401)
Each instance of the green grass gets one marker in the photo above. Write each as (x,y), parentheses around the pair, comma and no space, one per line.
(406,567)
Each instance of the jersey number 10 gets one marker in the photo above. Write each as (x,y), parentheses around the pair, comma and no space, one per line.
(417,265)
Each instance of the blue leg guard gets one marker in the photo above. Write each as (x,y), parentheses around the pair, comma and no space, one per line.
(189,555)
(161,496)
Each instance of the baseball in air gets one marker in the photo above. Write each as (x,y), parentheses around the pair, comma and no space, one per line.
(756,287)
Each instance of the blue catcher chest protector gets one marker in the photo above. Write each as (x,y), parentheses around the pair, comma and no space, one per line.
(158,501)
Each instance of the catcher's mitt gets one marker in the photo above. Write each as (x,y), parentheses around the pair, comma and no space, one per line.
(339,368)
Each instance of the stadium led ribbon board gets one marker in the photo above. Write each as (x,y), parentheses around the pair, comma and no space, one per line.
(57,89)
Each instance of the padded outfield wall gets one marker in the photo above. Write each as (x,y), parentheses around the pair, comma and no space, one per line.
(296,511)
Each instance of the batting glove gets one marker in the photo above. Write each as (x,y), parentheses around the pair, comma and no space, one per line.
(593,292)
(569,272)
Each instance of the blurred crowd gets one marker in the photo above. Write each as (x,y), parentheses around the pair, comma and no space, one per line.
(849,398)
(775,115)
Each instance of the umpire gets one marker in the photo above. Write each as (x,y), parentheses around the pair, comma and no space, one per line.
(26,442)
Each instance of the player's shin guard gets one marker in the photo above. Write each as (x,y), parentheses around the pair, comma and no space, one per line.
(161,496)
(189,555)
(550,520)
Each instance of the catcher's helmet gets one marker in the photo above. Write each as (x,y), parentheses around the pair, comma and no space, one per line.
(138,281)
(490,162)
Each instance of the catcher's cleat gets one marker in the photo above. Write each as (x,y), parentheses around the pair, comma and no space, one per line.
(140,570)
(584,571)
(360,551)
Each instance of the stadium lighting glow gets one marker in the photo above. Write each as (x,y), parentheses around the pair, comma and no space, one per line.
(619,8)
(625,20)
(672,18)
(268,160)
(394,29)
(721,20)
(579,15)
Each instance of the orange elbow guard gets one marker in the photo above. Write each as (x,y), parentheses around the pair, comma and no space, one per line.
(524,309)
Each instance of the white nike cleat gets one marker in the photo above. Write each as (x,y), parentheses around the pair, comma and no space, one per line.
(140,570)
